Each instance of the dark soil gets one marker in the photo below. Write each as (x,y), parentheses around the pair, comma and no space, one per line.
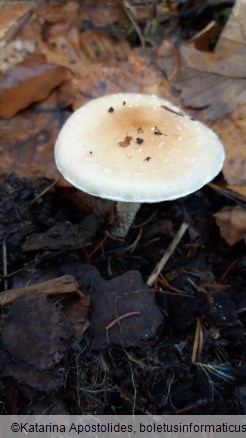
(149,369)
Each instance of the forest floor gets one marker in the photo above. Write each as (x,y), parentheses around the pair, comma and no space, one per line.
(88,323)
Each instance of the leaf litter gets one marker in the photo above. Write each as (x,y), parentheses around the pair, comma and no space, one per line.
(109,310)
(89,291)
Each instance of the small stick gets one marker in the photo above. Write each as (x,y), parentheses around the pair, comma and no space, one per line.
(60,285)
(44,191)
(174,70)
(5,264)
(163,281)
(97,247)
(160,265)
(228,270)
(188,408)
(116,239)
(134,244)
(197,341)
(142,224)
(133,21)
(242,310)
(12,33)
(119,318)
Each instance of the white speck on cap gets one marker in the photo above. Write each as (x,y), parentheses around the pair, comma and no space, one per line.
(97,150)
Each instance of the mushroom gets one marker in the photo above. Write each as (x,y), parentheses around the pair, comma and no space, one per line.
(135,148)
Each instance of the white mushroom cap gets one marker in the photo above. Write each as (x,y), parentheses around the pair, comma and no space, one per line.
(136,148)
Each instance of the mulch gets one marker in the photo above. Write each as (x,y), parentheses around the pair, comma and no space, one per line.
(81,332)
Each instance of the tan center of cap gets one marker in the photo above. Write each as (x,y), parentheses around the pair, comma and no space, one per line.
(137,148)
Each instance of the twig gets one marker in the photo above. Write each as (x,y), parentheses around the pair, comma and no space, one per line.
(44,191)
(228,269)
(174,70)
(133,21)
(12,33)
(116,239)
(160,265)
(198,338)
(134,389)
(142,224)
(5,264)
(198,403)
(164,282)
(242,310)
(240,199)
(97,247)
(60,285)
(134,244)
(119,318)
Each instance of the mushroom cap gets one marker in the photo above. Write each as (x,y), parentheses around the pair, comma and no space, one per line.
(137,148)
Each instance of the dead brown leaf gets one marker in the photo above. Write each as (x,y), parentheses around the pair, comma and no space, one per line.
(232,132)
(216,84)
(103,47)
(14,53)
(216,81)
(232,224)
(55,13)
(201,39)
(102,12)
(68,48)
(97,63)
(140,72)
(28,82)
(10,13)
(27,142)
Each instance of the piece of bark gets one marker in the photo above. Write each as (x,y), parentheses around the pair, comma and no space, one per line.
(61,285)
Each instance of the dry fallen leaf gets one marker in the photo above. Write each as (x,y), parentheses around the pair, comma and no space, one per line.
(27,142)
(215,83)
(27,82)
(55,13)
(232,224)
(102,12)
(10,14)
(232,132)
(140,72)
(216,80)
(69,48)
(202,39)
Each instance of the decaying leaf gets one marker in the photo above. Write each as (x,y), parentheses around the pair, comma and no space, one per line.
(202,39)
(141,72)
(216,81)
(65,12)
(27,82)
(123,310)
(72,50)
(100,12)
(232,132)
(232,223)
(29,138)
(14,53)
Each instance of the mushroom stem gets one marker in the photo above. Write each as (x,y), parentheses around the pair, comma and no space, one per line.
(125,215)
